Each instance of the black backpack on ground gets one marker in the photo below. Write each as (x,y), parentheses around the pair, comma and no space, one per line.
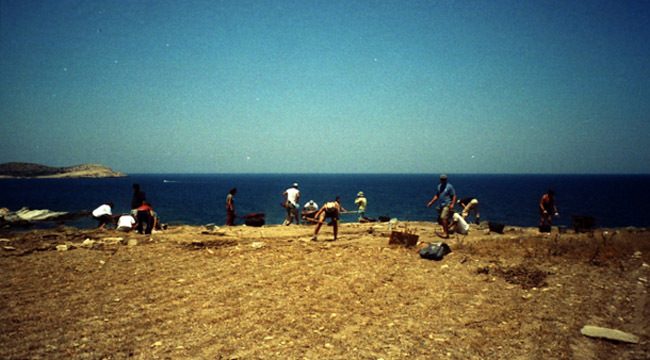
(435,251)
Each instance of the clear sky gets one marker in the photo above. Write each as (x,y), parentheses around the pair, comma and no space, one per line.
(330,86)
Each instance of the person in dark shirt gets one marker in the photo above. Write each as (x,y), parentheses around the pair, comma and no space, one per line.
(139,198)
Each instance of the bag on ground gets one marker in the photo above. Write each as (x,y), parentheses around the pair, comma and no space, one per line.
(435,251)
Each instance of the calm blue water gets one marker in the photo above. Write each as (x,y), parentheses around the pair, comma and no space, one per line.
(614,200)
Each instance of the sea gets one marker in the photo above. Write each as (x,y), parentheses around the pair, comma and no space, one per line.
(199,199)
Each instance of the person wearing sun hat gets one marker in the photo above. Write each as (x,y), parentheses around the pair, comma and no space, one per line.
(447,195)
(361,202)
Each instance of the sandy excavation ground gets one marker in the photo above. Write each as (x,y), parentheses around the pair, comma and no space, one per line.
(270,293)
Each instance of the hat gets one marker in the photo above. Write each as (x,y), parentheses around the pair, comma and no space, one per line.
(360,193)
(443,177)
(295,184)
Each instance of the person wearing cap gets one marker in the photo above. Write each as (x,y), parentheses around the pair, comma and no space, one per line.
(308,211)
(470,204)
(361,202)
(291,198)
(447,195)
(311,205)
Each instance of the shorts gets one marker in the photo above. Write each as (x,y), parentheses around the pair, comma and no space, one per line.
(291,208)
(333,214)
(446,212)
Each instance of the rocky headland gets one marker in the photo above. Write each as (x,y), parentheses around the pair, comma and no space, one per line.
(30,170)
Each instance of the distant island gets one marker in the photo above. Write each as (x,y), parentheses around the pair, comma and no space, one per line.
(30,170)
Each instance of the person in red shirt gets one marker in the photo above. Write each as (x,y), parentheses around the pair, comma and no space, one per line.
(145,215)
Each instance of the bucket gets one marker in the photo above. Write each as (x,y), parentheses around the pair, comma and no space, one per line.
(496,227)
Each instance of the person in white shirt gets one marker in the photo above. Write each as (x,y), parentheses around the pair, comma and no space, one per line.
(459,224)
(291,198)
(104,215)
(126,223)
(310,206)
(308,212)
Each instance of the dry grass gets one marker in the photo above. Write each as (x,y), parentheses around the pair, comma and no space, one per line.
(260,293)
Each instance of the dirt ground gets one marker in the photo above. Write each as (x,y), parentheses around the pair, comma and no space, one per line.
(270,293)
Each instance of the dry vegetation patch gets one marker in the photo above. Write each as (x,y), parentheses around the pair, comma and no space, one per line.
(252,293)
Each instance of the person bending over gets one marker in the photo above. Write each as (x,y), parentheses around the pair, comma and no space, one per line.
(145,215)
(104,215)
(331,210)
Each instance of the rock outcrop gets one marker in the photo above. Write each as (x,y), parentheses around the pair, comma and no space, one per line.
(30,170)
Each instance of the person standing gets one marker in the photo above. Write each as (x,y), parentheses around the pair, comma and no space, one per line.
(331,210)
(291,197)
(361,202)
(231,214)
(547,207)
(470,204)
(447,195)
(139,198)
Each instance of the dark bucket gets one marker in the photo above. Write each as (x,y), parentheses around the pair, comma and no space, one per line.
(496,227)
(583,223)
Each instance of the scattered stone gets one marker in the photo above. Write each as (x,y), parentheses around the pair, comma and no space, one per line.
(609,334)
(257,245)
(62,247)
(88,243)
(112,240)
(132,242)
(9,248)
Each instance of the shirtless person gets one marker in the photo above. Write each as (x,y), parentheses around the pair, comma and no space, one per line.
(331,210)
(547,207)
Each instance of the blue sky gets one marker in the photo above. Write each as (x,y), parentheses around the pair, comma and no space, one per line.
(327,86)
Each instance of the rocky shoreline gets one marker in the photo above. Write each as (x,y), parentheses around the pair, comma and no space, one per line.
(30,170)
